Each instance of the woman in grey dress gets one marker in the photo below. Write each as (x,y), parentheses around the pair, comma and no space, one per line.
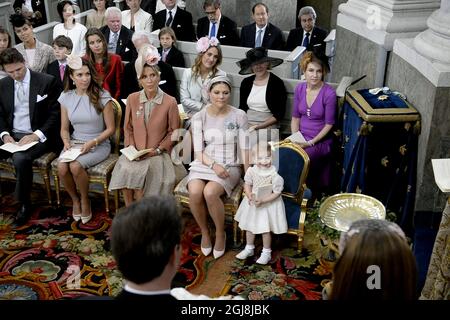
(88,108)
(220,150)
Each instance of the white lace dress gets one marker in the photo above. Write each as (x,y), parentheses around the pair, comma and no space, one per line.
(269,217)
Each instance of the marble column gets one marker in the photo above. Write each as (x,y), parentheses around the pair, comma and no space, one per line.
(420,68)
(366,30)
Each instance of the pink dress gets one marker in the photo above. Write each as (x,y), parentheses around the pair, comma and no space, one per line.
(312,121)
(220,138)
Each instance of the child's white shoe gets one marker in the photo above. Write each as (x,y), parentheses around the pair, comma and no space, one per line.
(265,257)
(247,252)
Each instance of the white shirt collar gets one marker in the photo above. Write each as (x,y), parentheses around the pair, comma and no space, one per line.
(310,32)
(174,11)
(26,79)
(263,28)
(146,293)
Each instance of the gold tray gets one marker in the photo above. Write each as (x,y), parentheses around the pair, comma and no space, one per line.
(341,210)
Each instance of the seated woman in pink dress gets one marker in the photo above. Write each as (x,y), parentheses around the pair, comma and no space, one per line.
(218,132)
(313,115)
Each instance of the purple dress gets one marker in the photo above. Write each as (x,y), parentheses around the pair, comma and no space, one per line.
(322,112)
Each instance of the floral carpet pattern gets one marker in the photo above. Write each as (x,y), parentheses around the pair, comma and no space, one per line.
(53,257)
(289,276)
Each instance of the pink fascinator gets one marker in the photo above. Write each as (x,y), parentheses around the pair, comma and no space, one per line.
(149,55)
(74,61)
(204,43)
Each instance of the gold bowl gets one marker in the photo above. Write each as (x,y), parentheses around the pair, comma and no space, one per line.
(341,210)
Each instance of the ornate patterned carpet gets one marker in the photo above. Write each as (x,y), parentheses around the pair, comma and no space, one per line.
(54,257)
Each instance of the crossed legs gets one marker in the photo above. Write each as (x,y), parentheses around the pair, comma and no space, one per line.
(130,195)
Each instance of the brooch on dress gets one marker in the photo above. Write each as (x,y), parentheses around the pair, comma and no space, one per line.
(232,126)
(140,110)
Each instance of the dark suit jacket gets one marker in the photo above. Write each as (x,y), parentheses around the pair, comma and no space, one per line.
(175,57)
(45,115)
(53,70)
(181,24)
(227,34)
(273,37)
(38,6)
(125,48)
(130,83)
(149,6)
(296,36)
(275,95)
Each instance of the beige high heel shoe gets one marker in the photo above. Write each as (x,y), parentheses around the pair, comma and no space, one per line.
(218,253)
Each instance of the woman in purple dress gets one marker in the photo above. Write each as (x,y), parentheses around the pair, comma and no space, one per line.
(314,116)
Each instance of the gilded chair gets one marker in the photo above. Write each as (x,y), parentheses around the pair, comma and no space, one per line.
(41,166)
(292,163)
(100,173)
(231,203)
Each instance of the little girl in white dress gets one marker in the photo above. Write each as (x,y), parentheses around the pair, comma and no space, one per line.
(262,209)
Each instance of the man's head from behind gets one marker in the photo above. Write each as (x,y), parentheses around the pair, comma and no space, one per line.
(13,63)
(307,17)
(146,239)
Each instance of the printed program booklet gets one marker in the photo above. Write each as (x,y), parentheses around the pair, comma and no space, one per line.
(297,137)
(14,147)
(132,154)
(70,155)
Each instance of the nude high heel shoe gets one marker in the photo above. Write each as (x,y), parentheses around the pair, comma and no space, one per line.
(218,253)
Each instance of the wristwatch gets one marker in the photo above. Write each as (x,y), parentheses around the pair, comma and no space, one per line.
(158,151)
(211,166)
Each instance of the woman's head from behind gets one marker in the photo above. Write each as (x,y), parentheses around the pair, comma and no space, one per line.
(209,56)
(314,67)
(5,39)
(376,263)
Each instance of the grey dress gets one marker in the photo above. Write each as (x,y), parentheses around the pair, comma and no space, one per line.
(87,124)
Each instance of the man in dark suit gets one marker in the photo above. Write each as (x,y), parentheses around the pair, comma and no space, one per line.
(130,82)
(261,33)
(36,14)
(118,36)
(308,35)
(217,25)
(178,19)
(149,256)
(29,112)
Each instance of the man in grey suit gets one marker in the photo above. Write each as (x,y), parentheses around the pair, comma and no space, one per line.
(29,111)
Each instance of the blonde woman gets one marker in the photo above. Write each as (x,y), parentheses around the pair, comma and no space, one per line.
(193,87)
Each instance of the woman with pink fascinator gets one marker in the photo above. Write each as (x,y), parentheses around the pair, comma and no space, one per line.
(151,116)
(193,87)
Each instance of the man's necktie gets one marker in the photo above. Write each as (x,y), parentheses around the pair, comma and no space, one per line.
(164,54)
(21,96)
(62,68)
(169,20)
(306,40)
(258,39)
(213,30)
